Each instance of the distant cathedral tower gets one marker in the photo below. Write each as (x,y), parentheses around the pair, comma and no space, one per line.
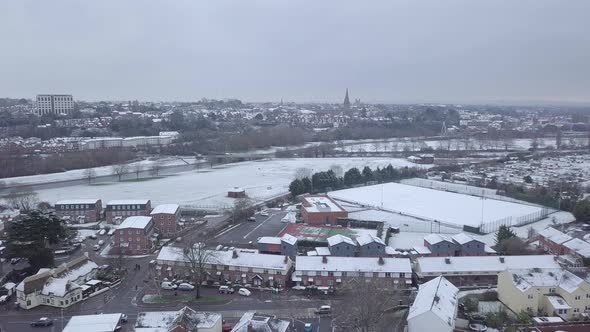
(346,101)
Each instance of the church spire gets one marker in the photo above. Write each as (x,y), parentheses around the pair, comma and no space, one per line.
(346,100)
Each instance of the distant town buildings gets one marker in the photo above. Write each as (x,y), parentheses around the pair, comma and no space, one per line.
(79,211)
(118,210)
(55,104)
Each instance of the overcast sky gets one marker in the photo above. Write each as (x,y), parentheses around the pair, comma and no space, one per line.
(299,50)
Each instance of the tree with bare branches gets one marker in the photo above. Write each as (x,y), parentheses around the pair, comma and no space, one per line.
(302,172)
(156,167)
(25,199)
(366,312)
(197,258)
(89,174)
(242,209)
(137,168)
(119,170)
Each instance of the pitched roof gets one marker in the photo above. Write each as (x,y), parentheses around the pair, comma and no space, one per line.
(259,322)
(463,238)
(578,246)
(352,264)
(524,279)
(165,208)
(368,238)
(139,222)
(290,239)
(338,238)
(554,235)
(481,264)
(164,321)
(438,296)
(93,323)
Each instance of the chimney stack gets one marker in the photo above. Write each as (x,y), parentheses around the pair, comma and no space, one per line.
(235,254)
(381,261)
(286,260)
(448,260)
(324,259)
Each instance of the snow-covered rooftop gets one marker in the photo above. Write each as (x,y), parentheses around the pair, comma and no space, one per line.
(290,239)
(252,321)
(128,202)
(93,323)
(139,222)
(338,238)
(482,264)
(554,235)
(557,302)
(321,204)
(438,296)
(368,238)
(243,259)
(463,238)
(524,279)
(269,240)
(435,238)
(165,208)
(353,264)
(578,246)
(323,251)
(164,321)
(77,201)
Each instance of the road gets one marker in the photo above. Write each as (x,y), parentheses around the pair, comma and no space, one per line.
(247,233)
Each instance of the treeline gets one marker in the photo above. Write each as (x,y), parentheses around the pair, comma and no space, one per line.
(329,180)
(12,165)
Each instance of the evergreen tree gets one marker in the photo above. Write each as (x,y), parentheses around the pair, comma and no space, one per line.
(367,174)
(504,233)
(296,187)
(32,236)
(582,210)
(306,185)
(352,176)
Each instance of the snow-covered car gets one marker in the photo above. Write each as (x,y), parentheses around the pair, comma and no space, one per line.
(186,286)
(264,213)
(244,292)
(42,322)
(168,285)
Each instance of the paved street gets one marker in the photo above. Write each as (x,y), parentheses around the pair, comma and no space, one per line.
(247,232)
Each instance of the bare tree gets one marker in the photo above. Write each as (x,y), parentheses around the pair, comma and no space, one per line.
(156,167)
(366,311)
(25,199)
(198,257)
(302,172)
(137,168)
(89,174)
(119,170)
(242,209)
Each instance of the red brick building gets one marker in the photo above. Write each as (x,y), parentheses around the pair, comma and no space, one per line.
(134,236)
(321,210)
(237,267)
(552,240)
(79,211)
(118,210)
(236,193)
(166,217)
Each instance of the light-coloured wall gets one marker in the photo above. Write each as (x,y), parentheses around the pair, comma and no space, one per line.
(428,321)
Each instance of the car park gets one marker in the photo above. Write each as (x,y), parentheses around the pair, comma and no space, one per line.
(42,322)
(168,285)
(244,292)
(186,286)
(225,290)
(324,310)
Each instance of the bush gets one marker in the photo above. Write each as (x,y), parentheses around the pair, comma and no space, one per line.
(471,304)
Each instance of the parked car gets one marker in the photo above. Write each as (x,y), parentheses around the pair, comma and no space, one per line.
(101,242)
(42,322)
(3,299)
(186,286)
(96,247)
(244,292)
(15,260)
(168,285)
(307,327)
(124,318)
(92,236)
(102,232)
(324,310)
(225,290)
(264,213)
(252,219)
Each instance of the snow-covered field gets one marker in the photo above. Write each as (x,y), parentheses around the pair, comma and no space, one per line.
(208,187)
(432,204)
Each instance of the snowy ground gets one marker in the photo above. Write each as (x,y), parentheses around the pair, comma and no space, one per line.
(407,240)
(207,188)
(432,204)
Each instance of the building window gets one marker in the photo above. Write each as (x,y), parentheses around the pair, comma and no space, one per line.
(330,273)
(530,296)
(577,297)
(551,290)
(402,275)
(576,309)
(344,274)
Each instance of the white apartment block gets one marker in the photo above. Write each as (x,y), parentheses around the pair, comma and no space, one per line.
(55,104)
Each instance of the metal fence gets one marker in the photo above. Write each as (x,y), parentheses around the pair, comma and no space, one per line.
(493,226)
(451,187)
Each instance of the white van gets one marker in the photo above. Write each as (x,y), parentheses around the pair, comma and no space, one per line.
(102,232)
(101,242)
(96,247)
(168,285)
(244,292)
